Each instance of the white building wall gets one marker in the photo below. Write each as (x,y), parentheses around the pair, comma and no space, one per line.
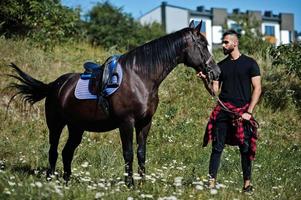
(230,22)
(152,16)
(277,30)
(176,19)
(208,22)
(285,39)
(217,34)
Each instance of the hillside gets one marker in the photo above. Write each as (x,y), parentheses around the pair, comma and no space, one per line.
(176,162)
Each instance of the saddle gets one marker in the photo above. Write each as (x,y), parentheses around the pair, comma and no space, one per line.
(102,77)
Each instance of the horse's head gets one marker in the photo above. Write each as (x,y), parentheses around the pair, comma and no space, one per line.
(197,55)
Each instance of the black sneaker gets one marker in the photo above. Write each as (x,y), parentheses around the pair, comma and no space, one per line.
(248,190)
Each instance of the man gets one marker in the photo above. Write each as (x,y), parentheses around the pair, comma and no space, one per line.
(231,121)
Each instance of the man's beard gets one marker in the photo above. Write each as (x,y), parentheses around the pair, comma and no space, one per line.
(227,51)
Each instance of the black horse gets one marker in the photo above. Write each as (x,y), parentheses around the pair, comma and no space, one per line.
(132,106)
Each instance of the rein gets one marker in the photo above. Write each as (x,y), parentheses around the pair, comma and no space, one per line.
(253,122)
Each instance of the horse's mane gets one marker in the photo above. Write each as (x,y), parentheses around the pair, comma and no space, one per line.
(149,58)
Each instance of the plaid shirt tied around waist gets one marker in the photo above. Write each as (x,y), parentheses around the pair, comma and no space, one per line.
(238,137)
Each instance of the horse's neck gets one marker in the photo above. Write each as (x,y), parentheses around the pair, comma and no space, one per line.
(165,72)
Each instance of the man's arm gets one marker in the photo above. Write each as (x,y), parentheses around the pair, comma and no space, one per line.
(212,89)
(256,83)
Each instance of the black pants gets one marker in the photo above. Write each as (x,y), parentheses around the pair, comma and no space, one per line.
(224,126)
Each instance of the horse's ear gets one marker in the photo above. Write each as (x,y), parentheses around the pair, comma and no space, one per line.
(191,25)
(198,27)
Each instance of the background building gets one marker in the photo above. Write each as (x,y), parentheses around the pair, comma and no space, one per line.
(277,29)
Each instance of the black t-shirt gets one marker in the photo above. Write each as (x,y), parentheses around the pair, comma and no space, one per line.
(235,79)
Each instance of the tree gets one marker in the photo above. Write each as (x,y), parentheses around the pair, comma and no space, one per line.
(109,26)
(47,22)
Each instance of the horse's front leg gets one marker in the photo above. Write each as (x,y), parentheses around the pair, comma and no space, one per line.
(126,134)
(141,136)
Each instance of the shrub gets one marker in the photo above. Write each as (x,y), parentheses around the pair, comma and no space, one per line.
(283,82)
(47,22)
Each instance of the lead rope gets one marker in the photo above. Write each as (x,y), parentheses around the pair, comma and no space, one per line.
(253,122)
(218,99)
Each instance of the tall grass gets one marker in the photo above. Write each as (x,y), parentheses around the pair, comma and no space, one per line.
(177,165)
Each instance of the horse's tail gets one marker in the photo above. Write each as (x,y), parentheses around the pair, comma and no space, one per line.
(30,89)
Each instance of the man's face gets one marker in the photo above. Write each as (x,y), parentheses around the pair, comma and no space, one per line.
(228,43)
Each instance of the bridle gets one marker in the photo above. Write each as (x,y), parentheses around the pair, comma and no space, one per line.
(208,70)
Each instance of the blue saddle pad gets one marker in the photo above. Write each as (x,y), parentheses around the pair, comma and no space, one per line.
(82,86)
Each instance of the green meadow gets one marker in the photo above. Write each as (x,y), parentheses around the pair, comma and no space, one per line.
(177,164)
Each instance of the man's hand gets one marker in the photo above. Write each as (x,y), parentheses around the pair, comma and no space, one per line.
(201,75)
(246,116)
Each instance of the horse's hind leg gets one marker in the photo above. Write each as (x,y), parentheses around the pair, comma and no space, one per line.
(55,125)
(74,139)
(54,136)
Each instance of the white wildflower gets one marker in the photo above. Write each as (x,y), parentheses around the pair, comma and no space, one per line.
(147,196)
(85,165)
(11,183)
(197,183)
(98,195)
(178,181)
(199,187)
(86,179)
(168,198)
(121,183)
(219,185)
(6,191)
(58,191)
(257,165)
(39,184)
(101,185)
(213,191)
(137,177)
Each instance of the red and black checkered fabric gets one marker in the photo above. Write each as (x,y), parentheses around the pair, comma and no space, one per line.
(238,136)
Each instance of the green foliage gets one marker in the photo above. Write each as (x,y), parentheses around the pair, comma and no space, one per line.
(283,81)
(289,56)
(147,32)
(109,26)
(46,22)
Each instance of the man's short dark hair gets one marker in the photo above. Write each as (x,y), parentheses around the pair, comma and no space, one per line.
(231,32)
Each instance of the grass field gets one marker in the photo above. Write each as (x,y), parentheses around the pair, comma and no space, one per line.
(177,165)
